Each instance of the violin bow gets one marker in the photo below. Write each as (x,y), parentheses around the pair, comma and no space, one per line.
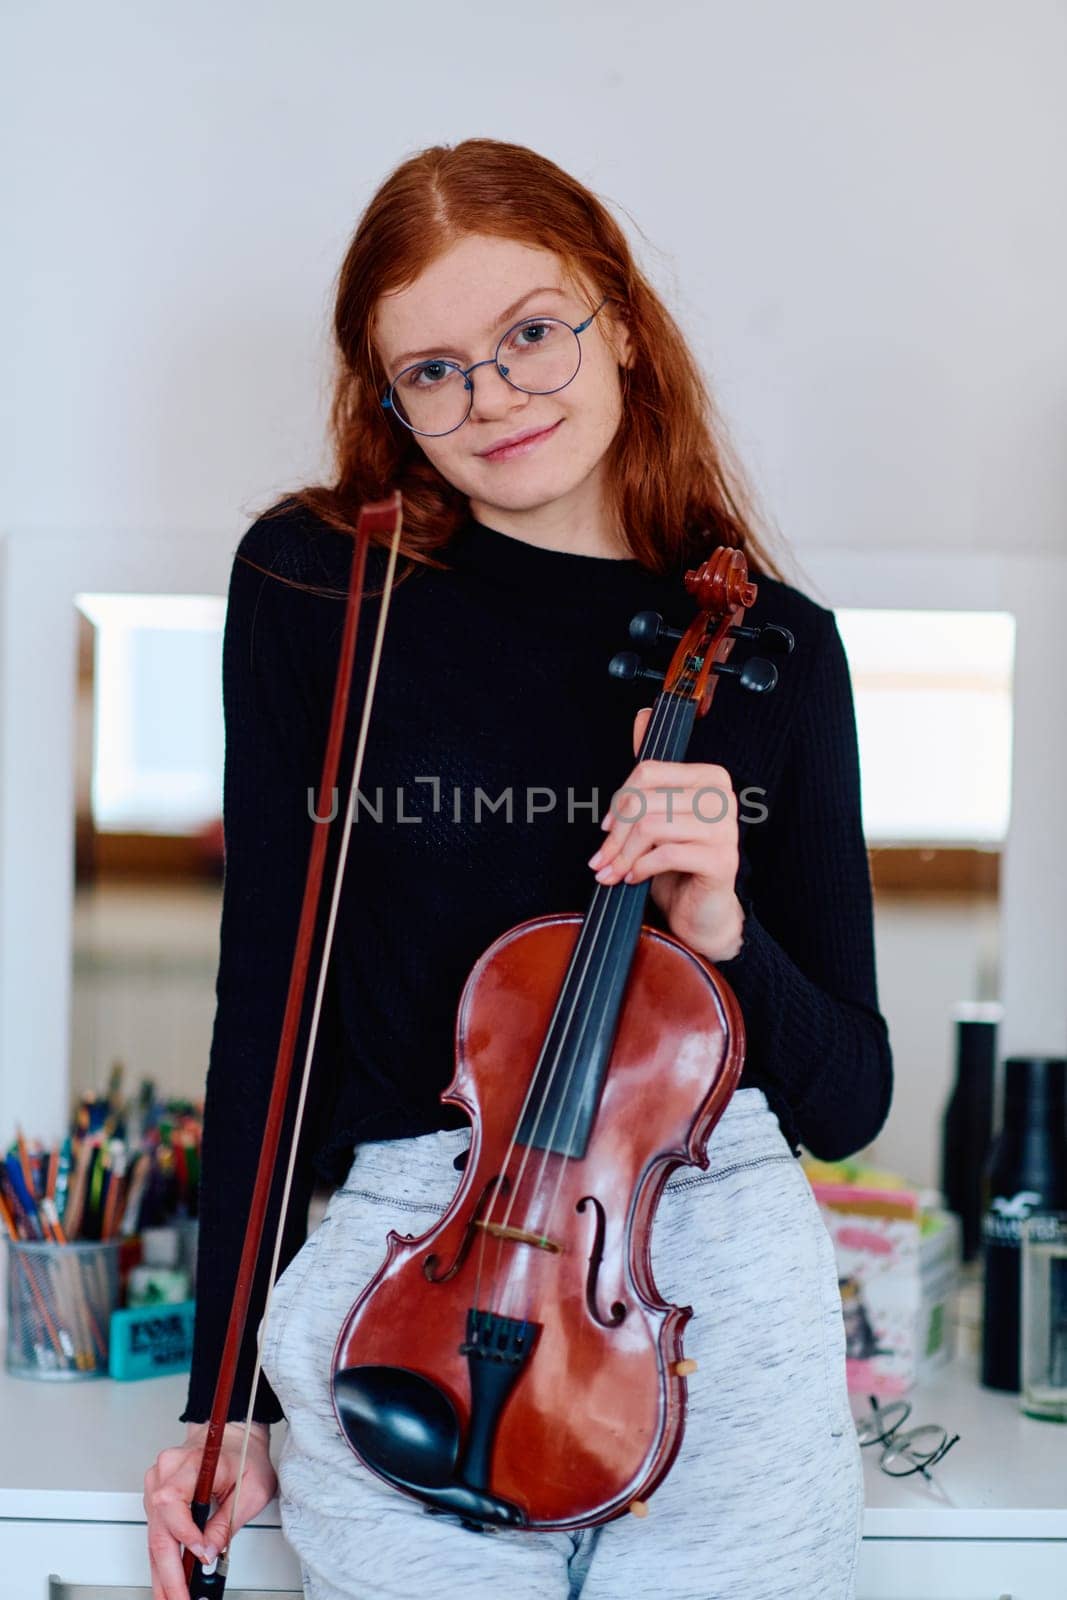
(385,518)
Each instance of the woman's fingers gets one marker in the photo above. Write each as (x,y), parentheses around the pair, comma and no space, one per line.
(258,1487)
(169,1488)
(640,724)
(675,856)
(257,1490)
(629,846)
(165,1560)
(170,1485)
(667,788)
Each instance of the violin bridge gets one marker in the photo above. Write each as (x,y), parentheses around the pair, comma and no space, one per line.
(520,1236)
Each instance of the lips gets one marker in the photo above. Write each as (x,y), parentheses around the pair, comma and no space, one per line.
(503,445)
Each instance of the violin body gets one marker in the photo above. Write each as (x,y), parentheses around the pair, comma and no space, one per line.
(522,1371)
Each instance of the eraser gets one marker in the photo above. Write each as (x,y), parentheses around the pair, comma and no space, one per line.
(151,1341)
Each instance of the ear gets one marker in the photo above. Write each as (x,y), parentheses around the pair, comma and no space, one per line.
(617,334)
(623,344)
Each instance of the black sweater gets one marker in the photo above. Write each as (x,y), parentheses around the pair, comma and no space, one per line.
(493,680)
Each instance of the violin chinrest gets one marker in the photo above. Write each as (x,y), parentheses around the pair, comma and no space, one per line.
(404,1427)
(400,1421)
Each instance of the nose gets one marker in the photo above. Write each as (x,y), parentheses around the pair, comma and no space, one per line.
(493,395)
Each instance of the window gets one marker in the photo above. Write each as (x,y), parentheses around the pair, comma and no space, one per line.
(157,711)
(933,692)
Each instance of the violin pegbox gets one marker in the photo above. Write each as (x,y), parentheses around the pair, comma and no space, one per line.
(723,592)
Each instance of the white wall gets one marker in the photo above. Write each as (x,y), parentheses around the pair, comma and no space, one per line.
(851,209)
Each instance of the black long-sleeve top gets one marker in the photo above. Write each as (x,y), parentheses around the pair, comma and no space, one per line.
(493,680)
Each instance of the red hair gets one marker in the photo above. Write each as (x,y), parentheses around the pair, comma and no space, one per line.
(676,485)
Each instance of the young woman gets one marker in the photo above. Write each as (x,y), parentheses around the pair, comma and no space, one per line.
(504,363)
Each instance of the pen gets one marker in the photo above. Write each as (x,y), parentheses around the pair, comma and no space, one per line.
(27,1205)
(35,1289)
(63,1178)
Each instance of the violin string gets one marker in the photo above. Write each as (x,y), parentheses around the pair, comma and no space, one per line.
(574,1121)
(591,938)
(656,747)
(598,911)
(594,919)
(615,905)
(305,1078)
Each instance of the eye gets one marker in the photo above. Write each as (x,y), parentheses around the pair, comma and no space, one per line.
(529,335)
(427,375)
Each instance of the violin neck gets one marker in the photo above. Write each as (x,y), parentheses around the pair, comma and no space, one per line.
(670,727)
(577,1048)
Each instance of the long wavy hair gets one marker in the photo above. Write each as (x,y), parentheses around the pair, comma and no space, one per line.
(675,481)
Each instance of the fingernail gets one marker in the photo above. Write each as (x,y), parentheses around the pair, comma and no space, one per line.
(594,861)
(604,874)
(210,1554)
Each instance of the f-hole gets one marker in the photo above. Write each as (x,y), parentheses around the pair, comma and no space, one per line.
(596,1256)
(468,1234)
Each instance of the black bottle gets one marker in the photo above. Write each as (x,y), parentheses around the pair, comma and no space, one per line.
(1026,1173)
(967,1125)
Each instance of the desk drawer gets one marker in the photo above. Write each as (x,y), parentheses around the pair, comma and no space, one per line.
(962,1569)
(96,1591)
(52,1560)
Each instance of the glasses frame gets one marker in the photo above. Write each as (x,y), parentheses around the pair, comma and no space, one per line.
(388,403)
(892,1439)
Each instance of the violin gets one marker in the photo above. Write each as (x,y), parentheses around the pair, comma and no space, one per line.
(515,1365)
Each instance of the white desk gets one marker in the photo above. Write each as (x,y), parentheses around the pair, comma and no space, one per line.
(74,1455)
(72,1465)
(994,1521)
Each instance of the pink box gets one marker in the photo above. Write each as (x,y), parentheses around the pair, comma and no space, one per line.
(897,1267)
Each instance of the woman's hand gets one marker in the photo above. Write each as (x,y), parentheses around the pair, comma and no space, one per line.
(676,823)
(169,1486)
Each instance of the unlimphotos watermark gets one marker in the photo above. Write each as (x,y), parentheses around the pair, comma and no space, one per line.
(710,803)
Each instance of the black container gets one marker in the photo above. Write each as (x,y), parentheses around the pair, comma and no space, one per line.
(1026,1174)
(967,1125)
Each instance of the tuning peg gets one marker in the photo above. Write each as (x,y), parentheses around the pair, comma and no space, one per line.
(771,635)
(756,674)
(628,665)
(648,627)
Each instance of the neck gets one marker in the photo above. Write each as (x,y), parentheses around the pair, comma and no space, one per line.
(575,523)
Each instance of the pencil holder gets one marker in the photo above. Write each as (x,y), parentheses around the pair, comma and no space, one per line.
(59,1303)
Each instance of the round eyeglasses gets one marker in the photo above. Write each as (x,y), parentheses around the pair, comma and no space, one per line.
(539,355)
(903,1453)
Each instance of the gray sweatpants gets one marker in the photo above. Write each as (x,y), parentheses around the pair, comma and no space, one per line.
(764,1500)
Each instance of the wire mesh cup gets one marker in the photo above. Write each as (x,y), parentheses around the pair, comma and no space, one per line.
(59,1303)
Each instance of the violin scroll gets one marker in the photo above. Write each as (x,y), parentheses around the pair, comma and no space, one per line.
(723,590)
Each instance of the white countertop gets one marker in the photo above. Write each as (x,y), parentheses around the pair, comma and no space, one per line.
(83,1448)
(1006,1478)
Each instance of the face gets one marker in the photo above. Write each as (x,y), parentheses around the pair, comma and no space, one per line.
(458,308)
